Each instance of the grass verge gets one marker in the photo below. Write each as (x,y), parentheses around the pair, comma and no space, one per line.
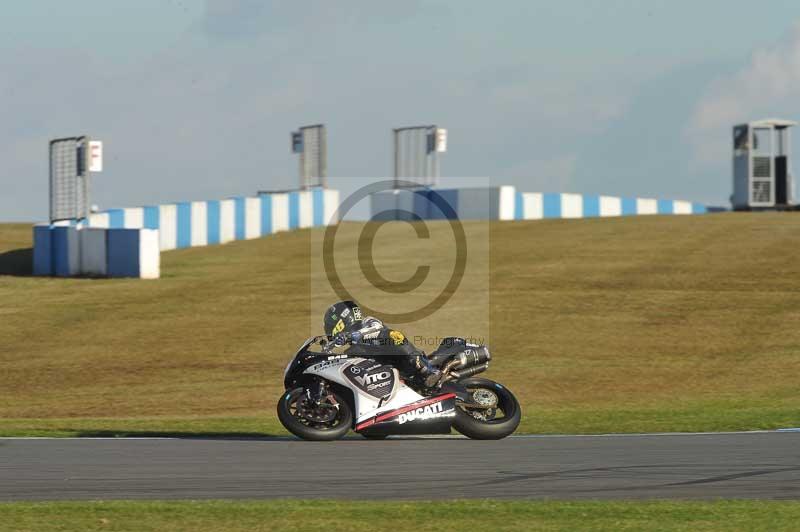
(228,516)
(637,324)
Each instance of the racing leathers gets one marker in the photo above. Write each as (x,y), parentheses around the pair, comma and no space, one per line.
(375,340)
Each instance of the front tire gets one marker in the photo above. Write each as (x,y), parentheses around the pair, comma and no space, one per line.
(293,404)
(482,424)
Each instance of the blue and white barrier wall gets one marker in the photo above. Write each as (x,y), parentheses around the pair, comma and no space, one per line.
(506,203)
(537,206)
(203,223)
(127,242)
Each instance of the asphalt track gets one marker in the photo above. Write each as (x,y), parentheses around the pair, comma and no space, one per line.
(681,466)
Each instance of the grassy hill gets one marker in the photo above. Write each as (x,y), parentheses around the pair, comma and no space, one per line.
(606,325)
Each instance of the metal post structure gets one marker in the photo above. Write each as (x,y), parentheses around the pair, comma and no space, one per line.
(69,179)
(416,154)
(311,143)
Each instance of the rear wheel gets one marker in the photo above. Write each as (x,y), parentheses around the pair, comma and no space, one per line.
(327,420)
(492,412)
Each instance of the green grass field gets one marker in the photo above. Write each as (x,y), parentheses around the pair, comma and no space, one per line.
(607,325)
(228,516)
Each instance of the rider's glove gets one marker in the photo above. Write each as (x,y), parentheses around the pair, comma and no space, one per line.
(347,338)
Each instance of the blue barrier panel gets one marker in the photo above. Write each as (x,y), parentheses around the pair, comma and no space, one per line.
(123,253)
(294,210)
(628,206)
(443,204)
(184,225)
(698,208)
(421,206)
(238,218)
(266,214)
(64,245)
(116,218)
(551,205)
(318,199)
(591,206)
(151,217)
(519,206)
(212,219)
(666,207)
(42,250)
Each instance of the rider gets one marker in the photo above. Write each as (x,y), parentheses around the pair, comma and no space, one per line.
(343,321)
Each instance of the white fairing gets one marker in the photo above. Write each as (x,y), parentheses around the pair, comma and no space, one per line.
(366,404)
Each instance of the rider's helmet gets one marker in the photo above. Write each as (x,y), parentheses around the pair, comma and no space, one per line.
(344,316)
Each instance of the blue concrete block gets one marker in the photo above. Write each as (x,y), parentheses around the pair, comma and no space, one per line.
(213,221)
(266,214)
(151,217)
(238,218)
(591,206)
(519,206)
(123,253)
(628,206)
(183,212)
(294,210)
(666,207)
(318,200)
(442,204)
(42,250)
(551,205)
(116,218)
(65,251)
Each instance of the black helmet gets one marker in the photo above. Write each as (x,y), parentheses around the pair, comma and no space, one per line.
(343,316)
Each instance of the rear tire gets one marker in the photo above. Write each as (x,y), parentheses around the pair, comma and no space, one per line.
(494,429)
(303,428)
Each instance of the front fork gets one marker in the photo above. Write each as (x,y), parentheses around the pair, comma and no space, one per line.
(318,392)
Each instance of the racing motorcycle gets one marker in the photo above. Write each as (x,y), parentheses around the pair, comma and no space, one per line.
(328,393)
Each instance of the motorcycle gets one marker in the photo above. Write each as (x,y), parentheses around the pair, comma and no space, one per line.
(329,393)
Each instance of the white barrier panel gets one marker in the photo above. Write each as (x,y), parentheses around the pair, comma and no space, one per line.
(610,206)
(134,218)
(227,220)
(507,203)
(646,206)
(682,207)
(532,207)
(330,207)
(149,254)
(571,206)
(93,251)
(168,227)
(199,223)
(252,218)
(280,212)
(306,213)
(99,219)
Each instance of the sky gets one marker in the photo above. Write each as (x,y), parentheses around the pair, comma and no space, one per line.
(195,100)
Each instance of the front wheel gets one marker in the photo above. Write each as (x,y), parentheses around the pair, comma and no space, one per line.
(330,419)
(492,412)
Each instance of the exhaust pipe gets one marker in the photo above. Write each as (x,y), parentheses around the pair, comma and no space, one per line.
(469,372)
(473,357)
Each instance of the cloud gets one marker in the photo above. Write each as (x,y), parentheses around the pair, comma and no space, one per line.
(769,85)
